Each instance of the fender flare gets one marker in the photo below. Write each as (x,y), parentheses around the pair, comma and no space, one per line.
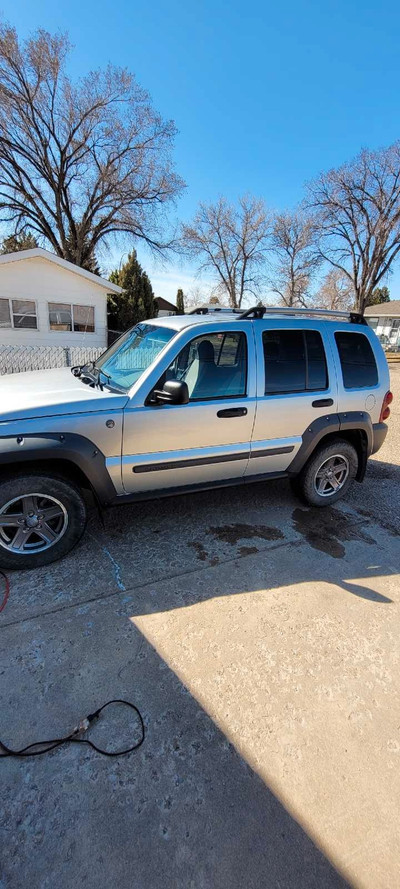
(357,421)
(66,446)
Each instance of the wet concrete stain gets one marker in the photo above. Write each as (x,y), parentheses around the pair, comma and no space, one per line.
(202,553)
(248,550)
(233,533)
(395,532)
(326,529)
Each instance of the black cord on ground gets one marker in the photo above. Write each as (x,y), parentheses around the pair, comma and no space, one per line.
(73,739)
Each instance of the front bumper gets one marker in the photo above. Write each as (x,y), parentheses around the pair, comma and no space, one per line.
(379,435)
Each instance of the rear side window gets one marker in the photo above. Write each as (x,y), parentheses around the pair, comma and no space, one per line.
(294,361)
(357,360)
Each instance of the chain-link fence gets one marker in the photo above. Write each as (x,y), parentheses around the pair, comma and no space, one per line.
(14,359)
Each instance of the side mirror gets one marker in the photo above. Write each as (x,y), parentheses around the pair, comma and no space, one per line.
(173,392)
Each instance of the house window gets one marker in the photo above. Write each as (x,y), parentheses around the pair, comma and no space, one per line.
(24,314)
(63,316)
(60,317)
(5,314)
(83,317)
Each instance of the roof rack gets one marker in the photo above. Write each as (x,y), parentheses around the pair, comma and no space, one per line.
(208,310)
(258,312)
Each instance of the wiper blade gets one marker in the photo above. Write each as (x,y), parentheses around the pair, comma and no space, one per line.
(109,380)
(90,374)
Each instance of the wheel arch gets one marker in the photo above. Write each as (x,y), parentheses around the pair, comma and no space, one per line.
(355,427)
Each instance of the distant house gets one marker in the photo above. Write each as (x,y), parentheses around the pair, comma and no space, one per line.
(47,301)
(164,307)
(385,321)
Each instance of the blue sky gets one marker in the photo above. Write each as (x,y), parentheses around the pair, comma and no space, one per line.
(264,95)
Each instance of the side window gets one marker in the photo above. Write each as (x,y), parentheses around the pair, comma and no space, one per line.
(213,366)
(357,360)
(294,361)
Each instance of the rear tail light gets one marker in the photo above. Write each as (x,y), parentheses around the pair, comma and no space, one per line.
(385,411)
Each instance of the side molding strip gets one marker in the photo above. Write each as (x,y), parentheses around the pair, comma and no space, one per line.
(191,461)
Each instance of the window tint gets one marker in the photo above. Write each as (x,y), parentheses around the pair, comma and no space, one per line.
(316,362)
(5,317)
(357,359)
(294,361)
(213,366)
(24,314)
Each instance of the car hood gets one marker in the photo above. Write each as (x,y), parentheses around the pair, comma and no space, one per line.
(52,393)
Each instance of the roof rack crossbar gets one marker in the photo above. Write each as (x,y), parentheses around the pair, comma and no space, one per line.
(258,312)
(255,312)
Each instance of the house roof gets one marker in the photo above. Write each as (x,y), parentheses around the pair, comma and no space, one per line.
(392,308)
(164,304)
(39,253)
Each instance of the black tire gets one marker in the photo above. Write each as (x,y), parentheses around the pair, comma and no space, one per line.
(306,483)
(69,526)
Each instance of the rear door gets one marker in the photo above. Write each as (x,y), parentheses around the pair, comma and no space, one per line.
(296,383)
(208,439)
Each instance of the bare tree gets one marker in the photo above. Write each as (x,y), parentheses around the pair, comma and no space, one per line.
(336,292)
(231,242)
(293,246)
(358,212)
(79,162)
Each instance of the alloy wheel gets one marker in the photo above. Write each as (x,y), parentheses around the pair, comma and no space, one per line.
(32,523)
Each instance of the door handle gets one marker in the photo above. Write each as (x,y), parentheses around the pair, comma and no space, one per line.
(323,402)
(233,412)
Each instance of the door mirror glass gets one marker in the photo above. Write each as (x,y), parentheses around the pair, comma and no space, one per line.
(173,392)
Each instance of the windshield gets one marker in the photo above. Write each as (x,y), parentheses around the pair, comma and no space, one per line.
(133,353)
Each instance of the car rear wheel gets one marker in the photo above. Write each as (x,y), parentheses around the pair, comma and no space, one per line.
(328,474)
(41,518)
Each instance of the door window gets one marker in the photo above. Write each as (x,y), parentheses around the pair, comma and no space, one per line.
(294,361)
(213,366)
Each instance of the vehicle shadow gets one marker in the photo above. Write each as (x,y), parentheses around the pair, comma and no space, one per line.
(185,812)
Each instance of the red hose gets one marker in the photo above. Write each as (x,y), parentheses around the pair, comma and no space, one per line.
(6,591)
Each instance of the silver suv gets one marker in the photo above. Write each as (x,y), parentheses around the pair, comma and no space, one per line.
(188,402)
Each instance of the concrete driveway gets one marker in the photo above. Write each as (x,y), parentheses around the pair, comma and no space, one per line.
(260,640)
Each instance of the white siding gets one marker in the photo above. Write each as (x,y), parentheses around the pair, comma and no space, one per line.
(46,282)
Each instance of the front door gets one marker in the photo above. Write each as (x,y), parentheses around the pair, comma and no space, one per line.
(296,385)
(208,439)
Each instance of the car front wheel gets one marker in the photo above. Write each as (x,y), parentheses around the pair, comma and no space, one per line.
(41,518)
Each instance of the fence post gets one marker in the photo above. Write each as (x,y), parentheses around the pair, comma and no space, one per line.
(67,352)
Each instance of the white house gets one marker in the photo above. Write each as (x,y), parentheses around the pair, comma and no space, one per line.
(385,321)
(47,301)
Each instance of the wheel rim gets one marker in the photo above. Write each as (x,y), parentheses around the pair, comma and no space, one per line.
(331,475)
(32,523)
